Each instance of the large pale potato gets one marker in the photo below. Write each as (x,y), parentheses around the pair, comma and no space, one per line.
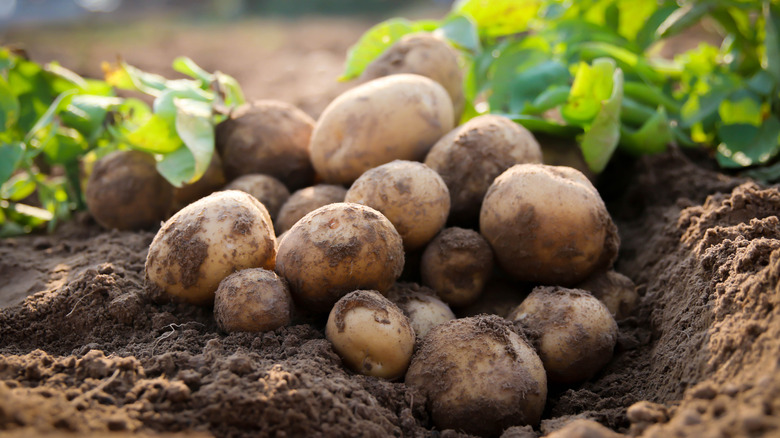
(304,201)
(397,117)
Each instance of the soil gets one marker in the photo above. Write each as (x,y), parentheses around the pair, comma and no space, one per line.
(86,349)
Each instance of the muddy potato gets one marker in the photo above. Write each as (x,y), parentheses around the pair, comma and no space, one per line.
(211,181)
(267,189)
(479,376)
(472,156)
(336,249)
(304,201)
(371,334)
(500,297)
(548,224)
(397,117)
(208,240)
(268,137)
(252,300)
(576,331)
(457,264)
(125,191)
(615,290)
(421,305)
(410,194)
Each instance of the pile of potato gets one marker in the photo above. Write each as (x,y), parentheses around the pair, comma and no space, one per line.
(383,186)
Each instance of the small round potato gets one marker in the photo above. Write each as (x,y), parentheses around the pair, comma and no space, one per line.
(457,264)
(410,194)
(267,189)
(211,181)
(336,249)
(472,156)
(371,334)
(548,224)
(268,137)
(615,290)
(479,376)
(397,117)
(421,305)
(208,240)
(252,300)
(304,201)
(500,297)
(125,191)
(577,332)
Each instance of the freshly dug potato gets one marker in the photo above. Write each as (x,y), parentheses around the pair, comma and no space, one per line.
(252,300)
(457,264)
(125,191)
(211,181)
(548,224)
(208,240)
(422,54)
(577,332)
(336,249)
(472,156)
(268,137)
(479,376)
(397,117)
(371,334)
(267,189)
(304,201)
(615,290)
(410,194)
(500,297)
(421,305)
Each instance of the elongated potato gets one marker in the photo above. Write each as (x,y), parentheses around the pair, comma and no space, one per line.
(397,117)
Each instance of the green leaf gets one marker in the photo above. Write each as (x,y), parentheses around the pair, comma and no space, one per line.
(127,77)
(592,85)
(633,16)
(497,18)
(164,105)
(509,62)
(650,95)
(772,40)
(768,174)
(651,138)
(539,124)
(156,136)
(48,117)
(683,18)
(550,98)
(87,113)
(67,146)
(533,81)
(10,156)
(9,106)
(628,61)
(229,90)
(635,113)
(187,66)
(761,83)
(601,138)
(745,145)
(373,43)
(461,31)
(646,36)
(177,167)
(18,187)
(697,108)
(745,110)
(194,126)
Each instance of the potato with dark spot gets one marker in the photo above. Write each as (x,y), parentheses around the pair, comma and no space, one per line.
(252,300)
(577,334)
(421,305)
(548,224)
(371,334)
(208,240)
(615,290)
(410,194)
(457,264)
(304,201)
(267,189)
(479,376)
(125,191)
(336,249)
(211,181)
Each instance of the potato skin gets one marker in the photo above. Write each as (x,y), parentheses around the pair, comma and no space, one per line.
(336,249)
(125,191)
(410,194)
(615,290)
(548,224)
(211,181)
(421,305)
(479,376)
(267,189)
(394,117)
(371,334)
(208,240)
(252,300)
(304,201)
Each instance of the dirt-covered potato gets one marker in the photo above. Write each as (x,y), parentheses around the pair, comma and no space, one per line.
(472,156)
(500,297)
(304,201)
(208,240)
(576,333)
(211,181)
(336,249)
(423,54)
(268,137)
(397,117)
(267,189)
(410,194)
(548,224)
(252,300)
(125,191)
(371,334)
(479,376)
(457,264)
(615,290)
(421,305)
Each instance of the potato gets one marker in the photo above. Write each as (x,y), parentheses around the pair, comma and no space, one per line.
(304,201)
(208,240)
(421,305)
(472,156)
(252,300)
(457,264)
(268,137)
(267,189)
(394,117)
(371,334)
(410,194)
(500,297)
(577,332)
(479,376)
(211,181)
(615,290)
(125,191)
(548,224)
(423,54)
(336,249)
